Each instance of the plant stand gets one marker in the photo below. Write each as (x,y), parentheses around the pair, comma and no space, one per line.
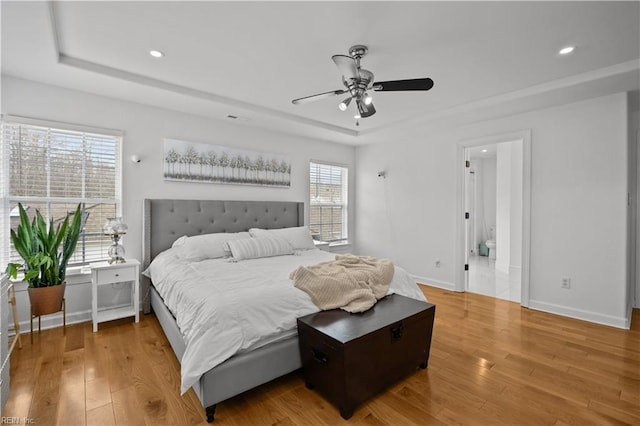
(16,322)
(64,319)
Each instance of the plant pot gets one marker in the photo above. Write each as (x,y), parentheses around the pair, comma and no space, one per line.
(46,300)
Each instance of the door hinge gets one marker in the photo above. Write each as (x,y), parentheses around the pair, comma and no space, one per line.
(466,215)
(467,163)
(466,266)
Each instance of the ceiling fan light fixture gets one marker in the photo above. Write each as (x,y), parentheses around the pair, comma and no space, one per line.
(358,114)
(344,104)
(358,82)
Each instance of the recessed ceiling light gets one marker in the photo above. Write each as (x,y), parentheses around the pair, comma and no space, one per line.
(484,150)
(156,53)
(566,50)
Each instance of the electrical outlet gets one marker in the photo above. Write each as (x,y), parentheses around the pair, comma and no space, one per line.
(437,263)
(566,282)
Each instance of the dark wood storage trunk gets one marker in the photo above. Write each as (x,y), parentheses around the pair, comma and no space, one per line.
(351,357)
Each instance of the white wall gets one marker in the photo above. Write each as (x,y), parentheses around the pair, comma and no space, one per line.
(144,128)
(409,216)
(515,242)
(634,177)
(485,175)
(578,195)
(503,207)
(489,167)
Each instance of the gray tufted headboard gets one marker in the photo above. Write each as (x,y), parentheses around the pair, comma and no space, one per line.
(166,220)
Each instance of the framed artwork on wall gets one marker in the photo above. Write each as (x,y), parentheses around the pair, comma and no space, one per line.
(199,162)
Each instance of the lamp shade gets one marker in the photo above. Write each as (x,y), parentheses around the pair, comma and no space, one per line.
(344,104)
(114,226)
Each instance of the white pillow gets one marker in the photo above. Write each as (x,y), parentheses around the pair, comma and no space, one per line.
(254,248)
(179,242)
(207,246)
(299,238)
(157,268)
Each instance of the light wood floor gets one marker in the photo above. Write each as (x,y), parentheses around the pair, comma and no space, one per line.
(492,362)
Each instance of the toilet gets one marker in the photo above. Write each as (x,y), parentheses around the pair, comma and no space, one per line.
(491,242)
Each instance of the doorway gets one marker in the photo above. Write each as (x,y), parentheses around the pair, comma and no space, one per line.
(494,206)
(493,201)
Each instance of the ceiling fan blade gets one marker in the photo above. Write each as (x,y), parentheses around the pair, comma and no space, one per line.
(366,110)
(318,96)
(402,85)
(346,65)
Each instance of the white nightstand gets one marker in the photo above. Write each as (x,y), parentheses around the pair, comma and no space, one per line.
(102,274)
(322,245)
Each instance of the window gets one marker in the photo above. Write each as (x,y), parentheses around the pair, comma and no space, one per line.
(53,169)
(328,202)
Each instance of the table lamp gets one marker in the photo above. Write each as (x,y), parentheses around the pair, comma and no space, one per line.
(114,227)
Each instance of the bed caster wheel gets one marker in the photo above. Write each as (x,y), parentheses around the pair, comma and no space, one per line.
(308,384)
(211,412)
(423,365)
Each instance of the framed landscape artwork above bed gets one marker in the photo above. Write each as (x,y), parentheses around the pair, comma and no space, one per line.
(199,162)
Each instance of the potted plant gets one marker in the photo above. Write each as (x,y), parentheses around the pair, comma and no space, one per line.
(46,251)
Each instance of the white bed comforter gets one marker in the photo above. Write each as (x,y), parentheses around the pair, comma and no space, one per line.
(223,308)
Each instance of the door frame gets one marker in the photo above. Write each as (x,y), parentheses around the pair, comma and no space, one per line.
(461,276)
(636,292)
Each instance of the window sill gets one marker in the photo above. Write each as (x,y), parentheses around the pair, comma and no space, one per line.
(75,275)
(340,244)
(78,270)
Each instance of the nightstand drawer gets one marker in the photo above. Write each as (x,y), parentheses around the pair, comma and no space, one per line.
(108,276)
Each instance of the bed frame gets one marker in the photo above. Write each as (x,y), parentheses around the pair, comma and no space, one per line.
(166,220)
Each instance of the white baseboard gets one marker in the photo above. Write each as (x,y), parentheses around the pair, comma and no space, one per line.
(54,320)
(434,283)
(580,314)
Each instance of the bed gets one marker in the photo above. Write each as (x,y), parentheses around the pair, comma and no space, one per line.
(165,221)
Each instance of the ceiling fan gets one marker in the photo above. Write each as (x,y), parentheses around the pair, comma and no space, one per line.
(359,82)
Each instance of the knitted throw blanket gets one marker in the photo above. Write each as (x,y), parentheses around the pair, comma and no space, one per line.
(352,283)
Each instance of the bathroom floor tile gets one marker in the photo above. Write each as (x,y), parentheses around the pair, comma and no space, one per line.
(485,279)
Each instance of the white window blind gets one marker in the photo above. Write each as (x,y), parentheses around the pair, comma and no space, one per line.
(53,169)
(328,202)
